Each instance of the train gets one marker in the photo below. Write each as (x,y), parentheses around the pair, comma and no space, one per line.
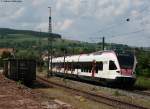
(105,67)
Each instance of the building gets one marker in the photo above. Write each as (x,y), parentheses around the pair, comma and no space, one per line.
(2,50)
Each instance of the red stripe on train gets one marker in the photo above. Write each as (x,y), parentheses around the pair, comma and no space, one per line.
(126,72)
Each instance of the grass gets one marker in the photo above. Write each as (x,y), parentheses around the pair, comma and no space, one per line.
(19,84)
(143,82)
(76,101)
(117,93)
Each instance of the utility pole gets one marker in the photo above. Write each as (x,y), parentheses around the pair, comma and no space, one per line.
(50,44)
(100,38)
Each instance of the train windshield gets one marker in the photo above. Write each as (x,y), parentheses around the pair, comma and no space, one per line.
(126,61)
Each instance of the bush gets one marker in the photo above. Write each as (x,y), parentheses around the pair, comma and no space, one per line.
(143,82)
(143,67)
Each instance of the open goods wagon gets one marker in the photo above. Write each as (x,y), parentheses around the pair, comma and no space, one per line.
(23,70)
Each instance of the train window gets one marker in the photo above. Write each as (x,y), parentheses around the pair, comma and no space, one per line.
(53,64)
(85,67)
(112,65)
(126,60)
(60,65)
(82,67)
(75,65)
(72,66)
(99,66)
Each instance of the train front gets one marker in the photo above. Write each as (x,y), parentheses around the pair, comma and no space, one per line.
(127,63)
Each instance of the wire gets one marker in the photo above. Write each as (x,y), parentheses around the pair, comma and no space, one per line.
(129,33)
(110,27)
(115,25)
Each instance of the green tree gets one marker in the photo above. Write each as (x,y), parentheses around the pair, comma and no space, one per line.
(143,67)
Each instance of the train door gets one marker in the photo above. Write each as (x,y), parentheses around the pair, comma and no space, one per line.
(93,71)
(99,69)
(111,69)
(104,72)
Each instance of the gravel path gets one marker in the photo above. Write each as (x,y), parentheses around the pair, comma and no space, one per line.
(13,95)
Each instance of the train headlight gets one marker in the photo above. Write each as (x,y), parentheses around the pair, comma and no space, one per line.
(118,71)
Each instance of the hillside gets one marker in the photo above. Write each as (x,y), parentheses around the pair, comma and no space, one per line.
(33,40)
(6,31)
(25,39)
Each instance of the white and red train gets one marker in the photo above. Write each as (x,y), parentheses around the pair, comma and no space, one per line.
(102,66)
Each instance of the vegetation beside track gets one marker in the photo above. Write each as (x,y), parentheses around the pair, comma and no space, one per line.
(143,82)
(143,69)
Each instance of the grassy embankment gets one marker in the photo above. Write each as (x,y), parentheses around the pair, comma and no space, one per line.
(143,82)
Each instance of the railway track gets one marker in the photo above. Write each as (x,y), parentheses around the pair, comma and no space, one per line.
(142,93)
(95,97)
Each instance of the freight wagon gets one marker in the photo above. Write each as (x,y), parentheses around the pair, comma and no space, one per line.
(23,70)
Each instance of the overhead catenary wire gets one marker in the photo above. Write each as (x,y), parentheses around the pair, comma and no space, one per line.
(127,20)
(128,33)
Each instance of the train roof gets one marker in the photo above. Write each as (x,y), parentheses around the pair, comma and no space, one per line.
(88,57)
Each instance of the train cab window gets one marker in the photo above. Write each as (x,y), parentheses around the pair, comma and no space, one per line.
(112,65)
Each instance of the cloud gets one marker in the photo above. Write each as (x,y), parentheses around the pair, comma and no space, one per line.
(38,2)
(66,24)
(138,3)
(42,27)
(18,13)
(72,6)
(79,19)
(135,13)
(122,7)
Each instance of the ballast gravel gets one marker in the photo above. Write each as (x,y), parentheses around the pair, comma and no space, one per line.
(13,95)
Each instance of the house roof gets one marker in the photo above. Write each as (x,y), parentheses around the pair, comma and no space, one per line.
(6,50)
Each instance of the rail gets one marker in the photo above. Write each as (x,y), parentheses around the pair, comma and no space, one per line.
(95,97)
(141,93)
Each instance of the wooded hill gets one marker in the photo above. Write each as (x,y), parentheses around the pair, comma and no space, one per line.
(6,31)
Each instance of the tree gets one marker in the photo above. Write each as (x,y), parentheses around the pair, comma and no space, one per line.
(5,55)
(143,67)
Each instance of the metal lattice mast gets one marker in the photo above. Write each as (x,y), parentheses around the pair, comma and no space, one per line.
(50,21)
(49,71)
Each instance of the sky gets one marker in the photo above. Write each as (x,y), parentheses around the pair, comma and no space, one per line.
(119,21)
